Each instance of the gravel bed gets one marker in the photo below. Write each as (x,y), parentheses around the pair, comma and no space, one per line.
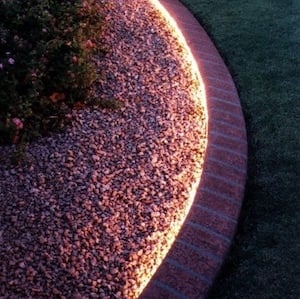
(89,211)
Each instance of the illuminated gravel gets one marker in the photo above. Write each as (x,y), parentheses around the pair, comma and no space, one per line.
(87,215)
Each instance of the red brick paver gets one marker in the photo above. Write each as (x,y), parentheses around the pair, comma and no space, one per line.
(193,262)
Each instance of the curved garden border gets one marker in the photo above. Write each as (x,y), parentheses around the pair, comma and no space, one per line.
(196,256)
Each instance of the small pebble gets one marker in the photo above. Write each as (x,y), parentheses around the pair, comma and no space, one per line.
(91,211)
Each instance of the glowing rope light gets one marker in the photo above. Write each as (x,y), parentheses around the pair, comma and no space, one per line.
(144,274)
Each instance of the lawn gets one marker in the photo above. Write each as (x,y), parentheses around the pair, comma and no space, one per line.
(260,43)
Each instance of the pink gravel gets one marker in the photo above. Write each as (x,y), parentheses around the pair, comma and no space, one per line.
(88,212)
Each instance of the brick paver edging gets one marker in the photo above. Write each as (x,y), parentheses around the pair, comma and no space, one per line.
(194,260)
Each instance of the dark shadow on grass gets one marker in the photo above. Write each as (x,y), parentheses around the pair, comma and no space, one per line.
(259,42)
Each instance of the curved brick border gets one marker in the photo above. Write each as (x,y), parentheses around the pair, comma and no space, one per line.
(202,244)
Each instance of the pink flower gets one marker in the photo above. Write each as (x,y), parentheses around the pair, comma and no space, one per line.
(11,61)
(89,44)
(74,59)
(18,123)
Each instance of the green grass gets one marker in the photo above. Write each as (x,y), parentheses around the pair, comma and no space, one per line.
(260,42)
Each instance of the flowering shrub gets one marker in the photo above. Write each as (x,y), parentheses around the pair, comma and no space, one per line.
(46,65)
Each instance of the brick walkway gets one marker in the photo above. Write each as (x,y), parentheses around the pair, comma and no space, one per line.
(203,242)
